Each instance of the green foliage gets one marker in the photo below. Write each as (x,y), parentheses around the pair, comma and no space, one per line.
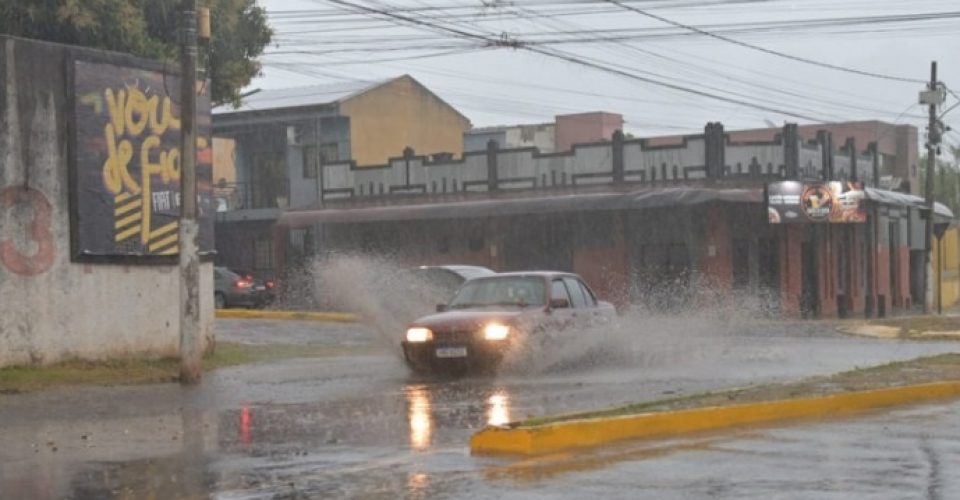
(946,183)
(148,28)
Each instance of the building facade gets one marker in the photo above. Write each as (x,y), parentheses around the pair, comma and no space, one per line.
(666,226)
(279,139)
(558,136)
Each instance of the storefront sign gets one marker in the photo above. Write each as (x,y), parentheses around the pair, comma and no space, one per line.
(127,162)
(794,201)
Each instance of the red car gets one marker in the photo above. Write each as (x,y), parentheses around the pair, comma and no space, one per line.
(490,314)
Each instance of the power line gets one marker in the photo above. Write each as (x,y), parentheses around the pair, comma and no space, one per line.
(556,54)
(763,49)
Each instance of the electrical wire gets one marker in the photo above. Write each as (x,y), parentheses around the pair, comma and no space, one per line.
(763,49)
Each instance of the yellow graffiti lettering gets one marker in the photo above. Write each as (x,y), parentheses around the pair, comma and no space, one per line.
(139,120)
(116,173)
(159,123)
(167,167)
(171,165)
(116,108)
(137,111)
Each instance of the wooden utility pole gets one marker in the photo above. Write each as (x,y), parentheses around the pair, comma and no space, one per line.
(191,350)
(932,97)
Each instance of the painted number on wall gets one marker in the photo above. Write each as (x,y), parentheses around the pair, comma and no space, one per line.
(37,232)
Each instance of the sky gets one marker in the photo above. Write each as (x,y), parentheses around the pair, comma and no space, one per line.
(317,43)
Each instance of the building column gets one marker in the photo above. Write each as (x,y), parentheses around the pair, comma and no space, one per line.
(790,269)
(718,258)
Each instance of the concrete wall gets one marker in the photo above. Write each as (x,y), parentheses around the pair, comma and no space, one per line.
(590,163)
(399,114)
(50,307)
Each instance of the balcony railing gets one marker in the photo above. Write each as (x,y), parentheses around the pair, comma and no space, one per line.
(232,196)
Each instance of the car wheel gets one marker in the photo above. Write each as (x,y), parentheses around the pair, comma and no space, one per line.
(219,301)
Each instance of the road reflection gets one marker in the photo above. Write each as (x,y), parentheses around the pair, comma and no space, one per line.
(419,416)
(423,412)
(498,408)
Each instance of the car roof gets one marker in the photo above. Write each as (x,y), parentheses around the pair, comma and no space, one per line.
(459,267)
(540,274)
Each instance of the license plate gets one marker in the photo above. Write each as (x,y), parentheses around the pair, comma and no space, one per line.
(261,288)
(451,352)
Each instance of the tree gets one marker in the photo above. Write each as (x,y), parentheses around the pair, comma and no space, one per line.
(148,28)
(946,183)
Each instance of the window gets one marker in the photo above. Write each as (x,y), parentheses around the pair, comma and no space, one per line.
(310,162)
(263,254)
(576,293)
(329,152)
(588,294)
(502,291)
(559,291)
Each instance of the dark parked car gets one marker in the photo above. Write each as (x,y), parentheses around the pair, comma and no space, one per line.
(235,290)
(490,314)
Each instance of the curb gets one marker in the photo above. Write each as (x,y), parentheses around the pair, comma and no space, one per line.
(563,436)
(288,315)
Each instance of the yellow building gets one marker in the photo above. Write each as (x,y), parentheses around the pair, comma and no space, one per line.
(401,113)
(267,152)
(947,266)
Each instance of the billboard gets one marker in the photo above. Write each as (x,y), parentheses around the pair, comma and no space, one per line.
(126,162)
(818,202)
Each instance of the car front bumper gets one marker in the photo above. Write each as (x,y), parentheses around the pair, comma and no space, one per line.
(423,356)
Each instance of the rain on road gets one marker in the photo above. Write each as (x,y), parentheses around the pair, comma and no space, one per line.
(360,426)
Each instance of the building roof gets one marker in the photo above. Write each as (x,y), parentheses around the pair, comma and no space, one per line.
(320,95)
(296,97)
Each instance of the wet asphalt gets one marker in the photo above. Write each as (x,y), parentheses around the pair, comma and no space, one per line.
(361,426)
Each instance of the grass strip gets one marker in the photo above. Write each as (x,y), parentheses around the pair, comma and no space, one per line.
(916,371)
(134,371)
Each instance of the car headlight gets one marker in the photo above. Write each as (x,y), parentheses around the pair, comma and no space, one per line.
(419,335)
(495,331)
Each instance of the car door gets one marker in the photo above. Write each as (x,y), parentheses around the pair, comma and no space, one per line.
(561,317)
(581,309)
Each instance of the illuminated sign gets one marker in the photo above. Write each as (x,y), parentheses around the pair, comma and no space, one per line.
(794,202)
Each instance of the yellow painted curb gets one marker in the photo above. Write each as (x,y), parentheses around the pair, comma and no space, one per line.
(560,436)
(293,315)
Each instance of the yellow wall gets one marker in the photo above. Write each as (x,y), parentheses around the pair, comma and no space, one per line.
(224,160)
(950,266)
(401,113)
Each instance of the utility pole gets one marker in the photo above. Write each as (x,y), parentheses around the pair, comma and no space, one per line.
(190,341)
(933,97)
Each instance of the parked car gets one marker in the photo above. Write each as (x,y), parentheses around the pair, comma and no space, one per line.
(490,314)
(232,289)
(445,280)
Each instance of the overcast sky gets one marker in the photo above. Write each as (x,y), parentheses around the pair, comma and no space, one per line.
(507,86)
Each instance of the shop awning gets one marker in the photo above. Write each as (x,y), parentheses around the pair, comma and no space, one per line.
(534,205)
(908,200)
(504,206)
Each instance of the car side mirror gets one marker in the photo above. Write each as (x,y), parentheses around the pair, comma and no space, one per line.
(441,308)
(559,304)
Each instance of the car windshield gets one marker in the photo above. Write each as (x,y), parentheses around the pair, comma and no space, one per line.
(506,291)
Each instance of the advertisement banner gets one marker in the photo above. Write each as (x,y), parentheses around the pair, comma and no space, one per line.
(127,162)
(837,202)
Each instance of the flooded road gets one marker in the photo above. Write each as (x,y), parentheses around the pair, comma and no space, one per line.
(359,426)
